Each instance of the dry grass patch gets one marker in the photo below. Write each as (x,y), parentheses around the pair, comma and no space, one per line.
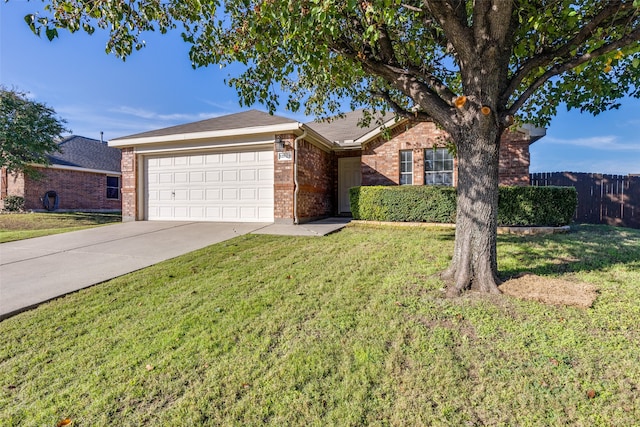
(19,226)
(529,286)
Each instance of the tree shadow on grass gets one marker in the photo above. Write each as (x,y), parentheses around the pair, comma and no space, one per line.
(586,248)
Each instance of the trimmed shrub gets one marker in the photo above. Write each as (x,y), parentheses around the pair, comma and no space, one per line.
(404,203)
(524,206)
(542,206)
(14,204)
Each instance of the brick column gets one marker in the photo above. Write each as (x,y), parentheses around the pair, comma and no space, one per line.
(129,172)
(283,184)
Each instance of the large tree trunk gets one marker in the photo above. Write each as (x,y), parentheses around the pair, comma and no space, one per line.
(474,264)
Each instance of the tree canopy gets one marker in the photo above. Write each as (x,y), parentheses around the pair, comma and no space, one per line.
(390,53)
(473,67)
(28,131)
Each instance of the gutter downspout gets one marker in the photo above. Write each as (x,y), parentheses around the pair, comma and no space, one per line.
(295,176)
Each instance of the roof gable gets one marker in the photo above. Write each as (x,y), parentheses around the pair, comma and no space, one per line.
(86,153)
(345,130)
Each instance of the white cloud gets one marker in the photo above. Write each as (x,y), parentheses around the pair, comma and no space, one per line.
(607,142)
(152,115)
(122,120)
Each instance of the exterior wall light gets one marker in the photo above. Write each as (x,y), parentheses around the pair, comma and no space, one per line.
(280,144)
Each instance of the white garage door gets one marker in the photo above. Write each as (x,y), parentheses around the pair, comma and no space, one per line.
(234,186)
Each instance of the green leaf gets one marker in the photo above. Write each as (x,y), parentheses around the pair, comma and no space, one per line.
(636,61)
(51,33)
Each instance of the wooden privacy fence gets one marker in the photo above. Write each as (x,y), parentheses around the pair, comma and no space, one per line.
(602,199)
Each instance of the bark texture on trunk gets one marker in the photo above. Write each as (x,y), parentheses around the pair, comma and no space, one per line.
(474,264)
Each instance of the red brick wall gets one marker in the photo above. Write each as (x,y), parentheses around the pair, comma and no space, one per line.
(380,157)
(316,197)
(381,164)
(129,198)
(76,190)
(514,159)
(316,170)
(283,185)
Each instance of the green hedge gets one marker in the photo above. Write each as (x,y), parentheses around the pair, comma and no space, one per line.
(524,206)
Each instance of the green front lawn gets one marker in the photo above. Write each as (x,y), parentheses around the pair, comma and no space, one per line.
(349,329)
(19,226)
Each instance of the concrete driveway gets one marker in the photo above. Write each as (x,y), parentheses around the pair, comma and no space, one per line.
(36,270)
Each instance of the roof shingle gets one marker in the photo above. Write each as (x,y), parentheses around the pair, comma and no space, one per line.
(346,129)
(87,153)
(251,118)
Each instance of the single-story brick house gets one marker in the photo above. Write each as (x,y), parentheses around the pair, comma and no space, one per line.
(256,167)
(85,175)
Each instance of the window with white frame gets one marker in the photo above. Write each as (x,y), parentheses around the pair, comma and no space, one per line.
(113,187)
(438,167)
(406,167)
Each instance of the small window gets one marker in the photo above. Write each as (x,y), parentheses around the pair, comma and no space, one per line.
(438,167)
(406,167)
(113,187)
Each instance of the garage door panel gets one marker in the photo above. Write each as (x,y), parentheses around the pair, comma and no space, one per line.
(180,178)
(248,175)
(196,195)
(213,176)
(165,178)
(181,195)
(213,194)
(180,161)
(230,158)
(264,174)
(229,194)
(197,176)
(196,160)
(232,186)
(229,175)
(212,159)
(196,212)
(248,212)
(165,211)
(229,213)
(165,195)
(249,157)
(265,193)
(214,213)
(248,194)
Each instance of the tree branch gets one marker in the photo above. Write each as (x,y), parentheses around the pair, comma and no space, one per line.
(436,84)
(568,65)
(412,8)
(386,47)
(451,15)
(548,56)
(399,110)
(425,89)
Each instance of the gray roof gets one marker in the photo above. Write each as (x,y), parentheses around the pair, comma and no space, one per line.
(346,129)
(87,153)
(251,118)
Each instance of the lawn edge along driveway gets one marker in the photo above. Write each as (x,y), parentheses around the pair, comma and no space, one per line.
(37,270)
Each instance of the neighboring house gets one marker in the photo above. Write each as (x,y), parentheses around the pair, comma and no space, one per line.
(256,167)
(85,175)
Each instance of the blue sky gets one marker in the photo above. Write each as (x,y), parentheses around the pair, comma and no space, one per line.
(156,87)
